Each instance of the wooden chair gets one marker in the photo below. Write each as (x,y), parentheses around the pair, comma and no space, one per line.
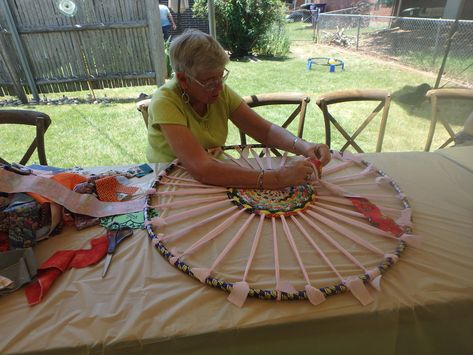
(435,95)
(381,96)
(32,118)
(142,106)
(298,100)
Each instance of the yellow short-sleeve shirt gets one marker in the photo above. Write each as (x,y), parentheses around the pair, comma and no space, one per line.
(167,107)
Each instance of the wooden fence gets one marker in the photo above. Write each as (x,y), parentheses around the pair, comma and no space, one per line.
(107,43)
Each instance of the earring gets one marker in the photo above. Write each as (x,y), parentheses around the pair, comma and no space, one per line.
(185,97)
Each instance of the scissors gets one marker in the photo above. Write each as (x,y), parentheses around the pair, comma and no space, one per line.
(115,237)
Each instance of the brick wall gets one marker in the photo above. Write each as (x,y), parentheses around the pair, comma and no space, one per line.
(186,20)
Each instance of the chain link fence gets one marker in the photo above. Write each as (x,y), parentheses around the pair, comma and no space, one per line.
(417,42)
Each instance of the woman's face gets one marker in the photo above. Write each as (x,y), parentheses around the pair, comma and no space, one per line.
(205,87)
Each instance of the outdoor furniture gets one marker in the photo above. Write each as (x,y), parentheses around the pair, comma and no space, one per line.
(33,118)
(435,95)
(326,100)
(142,106)
(298,100)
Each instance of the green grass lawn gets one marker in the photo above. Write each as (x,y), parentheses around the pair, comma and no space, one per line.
(114,133)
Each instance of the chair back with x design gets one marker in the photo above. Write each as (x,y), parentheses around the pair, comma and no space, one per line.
(443,94)
(298,100)
(383,98)
(40,120)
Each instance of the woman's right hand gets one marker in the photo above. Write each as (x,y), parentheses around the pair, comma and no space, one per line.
(296,172)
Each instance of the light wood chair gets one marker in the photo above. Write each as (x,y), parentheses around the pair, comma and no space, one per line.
(383,98)
(40,120)
(435,95)
(142,106)
(298,100)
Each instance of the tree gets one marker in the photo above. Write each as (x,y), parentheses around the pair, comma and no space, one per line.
(242,24)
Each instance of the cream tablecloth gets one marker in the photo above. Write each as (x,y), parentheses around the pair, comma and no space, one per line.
(145,306)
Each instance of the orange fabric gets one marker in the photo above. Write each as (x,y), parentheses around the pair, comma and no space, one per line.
(69,180)
(108,187)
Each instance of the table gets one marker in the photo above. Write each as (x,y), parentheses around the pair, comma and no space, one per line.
(145,306)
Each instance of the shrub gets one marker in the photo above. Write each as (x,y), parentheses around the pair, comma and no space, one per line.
(243,25)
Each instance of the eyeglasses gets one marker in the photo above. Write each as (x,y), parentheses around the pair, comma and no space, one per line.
(213,83)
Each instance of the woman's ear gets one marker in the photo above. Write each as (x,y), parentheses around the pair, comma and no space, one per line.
(182,80)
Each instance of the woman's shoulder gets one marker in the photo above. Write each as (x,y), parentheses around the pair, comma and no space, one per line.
(168,92)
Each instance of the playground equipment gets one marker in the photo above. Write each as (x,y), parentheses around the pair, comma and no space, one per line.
(332,63)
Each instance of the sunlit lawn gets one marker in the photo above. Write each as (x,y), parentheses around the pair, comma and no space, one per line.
(110,134)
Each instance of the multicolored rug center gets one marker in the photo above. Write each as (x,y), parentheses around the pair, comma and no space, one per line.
(274,202)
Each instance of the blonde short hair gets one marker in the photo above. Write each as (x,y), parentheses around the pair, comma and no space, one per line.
(194,52)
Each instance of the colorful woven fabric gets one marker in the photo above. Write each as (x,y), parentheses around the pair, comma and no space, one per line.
(274,202)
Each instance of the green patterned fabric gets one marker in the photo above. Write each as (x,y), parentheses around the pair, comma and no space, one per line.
(134,220)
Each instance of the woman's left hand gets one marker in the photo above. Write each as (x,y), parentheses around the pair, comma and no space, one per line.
(319,151)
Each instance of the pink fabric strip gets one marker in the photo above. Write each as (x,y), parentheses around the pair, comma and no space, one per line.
(196,211)
(244,154)
(178,234)
(345,232)
(283,160)
(334,189)
(355,223)
(213,233)
(276,250)
(86,204)
(332,241)
(236,161)
(186,185)
(232,242)
(254,246)
(239,292)
(336,168)
(257,158)
(339,200)
(362,174)
(340,210)
(215,190)
(290,239)
(269,160)
(316,247)
(189,202)
(180,178)
(281,285)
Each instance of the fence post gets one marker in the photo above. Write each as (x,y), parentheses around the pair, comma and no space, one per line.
(20,51)
(156,41)
(358,33)
(11,69)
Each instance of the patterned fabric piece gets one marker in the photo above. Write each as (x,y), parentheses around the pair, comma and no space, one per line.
(375,216)
(26,221)
(108,187)
(135,220)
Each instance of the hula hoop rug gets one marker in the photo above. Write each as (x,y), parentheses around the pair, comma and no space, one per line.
(339,234)
(330,62)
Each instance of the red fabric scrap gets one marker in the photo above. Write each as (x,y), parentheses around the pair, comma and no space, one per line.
(375,216)
(61,261)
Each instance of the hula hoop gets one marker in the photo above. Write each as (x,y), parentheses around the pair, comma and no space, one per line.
(306,204)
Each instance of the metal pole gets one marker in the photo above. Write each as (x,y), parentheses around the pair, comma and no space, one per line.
(19,49)
(449,43)
(212,27)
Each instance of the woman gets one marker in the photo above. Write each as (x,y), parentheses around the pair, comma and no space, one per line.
(189,115)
